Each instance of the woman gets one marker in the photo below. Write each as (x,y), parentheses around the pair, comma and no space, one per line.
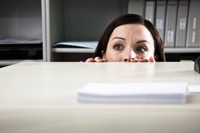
(129,38)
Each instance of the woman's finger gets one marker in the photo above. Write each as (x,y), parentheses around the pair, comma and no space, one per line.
(98,59)
(90,60)
(133,60)
(143,60)
(105,60)
(147,60)
(151,59)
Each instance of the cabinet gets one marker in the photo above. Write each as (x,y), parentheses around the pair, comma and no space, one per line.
(20,21)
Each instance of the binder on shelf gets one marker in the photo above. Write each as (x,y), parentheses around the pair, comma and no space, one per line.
(136,7)
(160,17)
(170,27)
(150,10)
(181,27)
(193,31)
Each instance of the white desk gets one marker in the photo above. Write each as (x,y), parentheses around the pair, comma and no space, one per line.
(41,98)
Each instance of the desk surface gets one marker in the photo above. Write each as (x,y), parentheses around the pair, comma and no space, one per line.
(41,97)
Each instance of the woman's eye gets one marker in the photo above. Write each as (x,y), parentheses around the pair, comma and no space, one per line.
(118,47)
(141,49)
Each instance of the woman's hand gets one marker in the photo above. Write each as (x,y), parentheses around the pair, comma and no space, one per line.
(96,59)
(142,60)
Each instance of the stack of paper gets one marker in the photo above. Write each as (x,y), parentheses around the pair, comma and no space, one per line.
(80,44)
(133,93)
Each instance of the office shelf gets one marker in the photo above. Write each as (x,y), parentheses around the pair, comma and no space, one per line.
(79,20)
(72,50)
(182,50)
(21,20)
(167,50)
(55,21)
(69,20)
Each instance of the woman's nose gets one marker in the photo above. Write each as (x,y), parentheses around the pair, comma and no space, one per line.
(130,54)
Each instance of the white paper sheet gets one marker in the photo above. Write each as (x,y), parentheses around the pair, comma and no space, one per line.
(133,93)
(194,88)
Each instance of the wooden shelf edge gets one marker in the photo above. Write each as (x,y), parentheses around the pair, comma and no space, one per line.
(72,50)
(82,50)
(182,50)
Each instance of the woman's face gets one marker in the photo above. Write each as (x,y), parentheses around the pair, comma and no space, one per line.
(128,42)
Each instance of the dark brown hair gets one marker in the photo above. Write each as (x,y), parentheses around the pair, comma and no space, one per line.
(131,19)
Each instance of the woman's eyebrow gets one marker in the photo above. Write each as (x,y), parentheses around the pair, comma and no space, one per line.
(142,41)
(120,38)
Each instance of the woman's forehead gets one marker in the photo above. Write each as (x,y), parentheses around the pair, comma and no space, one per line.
(132,31)
(130,28)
